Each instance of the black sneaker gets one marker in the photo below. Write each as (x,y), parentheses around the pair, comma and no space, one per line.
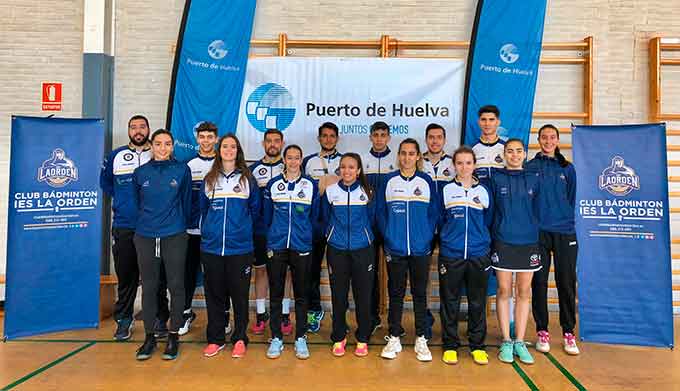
(160,329)
(172,347)
(189,317)
(124,329)
(146,350)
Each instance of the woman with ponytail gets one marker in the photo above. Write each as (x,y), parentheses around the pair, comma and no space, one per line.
(557,237)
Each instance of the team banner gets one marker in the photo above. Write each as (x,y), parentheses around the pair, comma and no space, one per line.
(505,51)
(210,64)
(622,224)
(296,95)
(54,226)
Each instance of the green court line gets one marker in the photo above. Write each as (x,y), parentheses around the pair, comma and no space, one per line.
(566,373)
(525,377)
(48,366)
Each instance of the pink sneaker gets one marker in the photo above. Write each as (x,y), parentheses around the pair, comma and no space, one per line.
(570,344)
(543,341)
(339,348)
(239,350)
(361,349)
(212,349)
(259,327)
(286,326)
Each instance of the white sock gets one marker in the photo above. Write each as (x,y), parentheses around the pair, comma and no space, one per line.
(286,306)
(260,306)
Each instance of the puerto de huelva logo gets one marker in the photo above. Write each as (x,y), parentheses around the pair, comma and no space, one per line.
(509,53)
(270,106)
(619,179)
(217,49)
(58,170)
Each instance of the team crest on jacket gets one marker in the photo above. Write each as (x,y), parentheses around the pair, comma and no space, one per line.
(476,200)
(237,188)
(417,192)
(128,157)
(498,159)
(362,197)
(301,194)
(173,182)
(281,186)
(337,171)
(262,171)
(58,170)
(619,179)
(446,172)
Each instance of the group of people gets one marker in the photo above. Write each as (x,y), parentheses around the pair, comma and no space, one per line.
(484,207)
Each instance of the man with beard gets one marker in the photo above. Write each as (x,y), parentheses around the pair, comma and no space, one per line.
(324,168)
(116,180)
(263,170)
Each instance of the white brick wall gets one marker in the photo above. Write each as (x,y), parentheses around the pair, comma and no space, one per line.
(39,41)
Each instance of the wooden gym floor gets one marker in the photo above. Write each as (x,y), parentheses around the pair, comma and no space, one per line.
(90,360)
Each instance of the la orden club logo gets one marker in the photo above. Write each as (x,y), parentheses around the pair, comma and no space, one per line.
(58,170)
(619,179)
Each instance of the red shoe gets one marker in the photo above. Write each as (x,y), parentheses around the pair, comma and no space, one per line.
(212,349)
(286,326)
(239,350)
(260,324)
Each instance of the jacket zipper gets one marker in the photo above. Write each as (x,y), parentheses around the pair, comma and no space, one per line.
(349,212)
(290,222)
(408,227)
(466,225)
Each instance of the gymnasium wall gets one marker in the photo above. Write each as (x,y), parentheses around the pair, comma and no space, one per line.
(43,39)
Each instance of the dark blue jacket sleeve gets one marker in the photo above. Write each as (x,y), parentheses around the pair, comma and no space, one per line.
(381,208)
(316,204)
(204,202)
(267,205)
(488,212)
(136,194)
(254,200)
(325,214)
(571,184)
(106,175)
(434,208)
(442,212)
(186,195)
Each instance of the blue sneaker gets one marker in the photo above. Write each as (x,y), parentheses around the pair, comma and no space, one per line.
(124,329)
(513,335)
(313,325)
(520,350)
(301,350)
(505,354)
(318,315)
(275,348)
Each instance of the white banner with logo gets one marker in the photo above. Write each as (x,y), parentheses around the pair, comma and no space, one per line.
(296,95)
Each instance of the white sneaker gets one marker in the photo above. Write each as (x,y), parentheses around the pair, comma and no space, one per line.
(543,341)
(392,348)
(422,351)
(227,330)
(570,344)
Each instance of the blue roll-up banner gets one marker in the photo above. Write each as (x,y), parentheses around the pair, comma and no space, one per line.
(210,66)
(502,69)
(54,231)
(622,223)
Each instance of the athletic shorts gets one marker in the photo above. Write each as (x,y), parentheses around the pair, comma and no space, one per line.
(260,251)
(515,258)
